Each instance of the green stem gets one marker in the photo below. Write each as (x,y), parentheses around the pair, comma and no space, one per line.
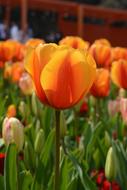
(18,177)
(57,144)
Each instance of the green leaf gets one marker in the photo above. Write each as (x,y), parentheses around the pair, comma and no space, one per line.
(85,179)
(65,173)
(95,135)
(1,142)
(121,163)
(1,182)
(26,180)
(10,168)
(73,184)
(48,146)
(48,114)
(44,168)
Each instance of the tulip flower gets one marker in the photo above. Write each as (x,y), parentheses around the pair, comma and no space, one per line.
(84,108)
(123,109)
(14,71)
(26,84)
(119,53)
(17,54)
(12,132)
(102,54)
(101,85)
(9,50)
(110,165)
(103,183)
(2,158)
(61,74)
(75,42)
(17,71)
(11,111)
(113,107)
(33,42)
(119,73)
(22,109)
(103,41)
(7,70)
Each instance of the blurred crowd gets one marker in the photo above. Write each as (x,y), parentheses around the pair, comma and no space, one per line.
(14,32)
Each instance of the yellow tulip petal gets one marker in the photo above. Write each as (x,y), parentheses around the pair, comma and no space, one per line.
(28,61)
(84,70)
(67,77)
(54,80)
(35,61)
(45,53)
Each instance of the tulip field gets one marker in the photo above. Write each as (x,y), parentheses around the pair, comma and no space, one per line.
(63,115)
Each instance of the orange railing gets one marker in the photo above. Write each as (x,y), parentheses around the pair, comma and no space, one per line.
(89,22)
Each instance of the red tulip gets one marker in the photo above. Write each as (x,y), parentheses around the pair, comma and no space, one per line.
(2,157)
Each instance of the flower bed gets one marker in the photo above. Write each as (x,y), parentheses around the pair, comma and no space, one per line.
(73,133)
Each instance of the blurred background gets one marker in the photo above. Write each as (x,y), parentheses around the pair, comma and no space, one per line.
(54,19)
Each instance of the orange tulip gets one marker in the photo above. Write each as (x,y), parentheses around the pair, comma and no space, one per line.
(11,111)
(17,71)
(17,54)
(74,42)
(119,53)
(102,41)
(7,70)
(33,42)
(8,50)
(61,74)
(102,55)
(119,73)
(101,85)
(13,71)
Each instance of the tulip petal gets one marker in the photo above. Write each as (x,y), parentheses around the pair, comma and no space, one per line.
(67,77)
(101,85)
(84,70)
(119,73)
(35,60)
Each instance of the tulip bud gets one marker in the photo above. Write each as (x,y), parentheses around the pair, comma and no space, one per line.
(34,104)
(11,111)
(107,139)
(123,109)
(37,126)
(12,131)
(22,109)
(26,84)
(122,93)
(113,107)
(110,165)
(92,101)
(39,141)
